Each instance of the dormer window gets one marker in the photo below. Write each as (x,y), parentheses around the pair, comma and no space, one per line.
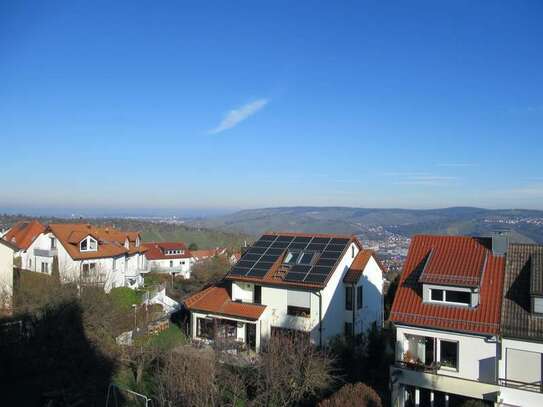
(448,296)
(89,244)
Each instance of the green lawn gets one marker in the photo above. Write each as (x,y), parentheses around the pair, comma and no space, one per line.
(166,340)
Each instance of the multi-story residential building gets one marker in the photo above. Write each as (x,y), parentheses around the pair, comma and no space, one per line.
(89,254)
(319,285)
(170,257)
(21,235)
(521,359)
(447,317)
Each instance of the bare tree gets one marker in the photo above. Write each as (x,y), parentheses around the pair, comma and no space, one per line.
(353,395)
(187,377)
(291,370)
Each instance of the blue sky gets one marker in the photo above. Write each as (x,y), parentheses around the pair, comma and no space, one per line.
(173,104)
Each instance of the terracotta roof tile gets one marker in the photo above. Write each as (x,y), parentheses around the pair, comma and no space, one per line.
(216,300)
(23,233)
(156,250)
(111,242)
(408,307)
(357,267)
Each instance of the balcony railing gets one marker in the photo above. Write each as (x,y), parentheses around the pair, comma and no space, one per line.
(536,387)
(421,367)
(45,252)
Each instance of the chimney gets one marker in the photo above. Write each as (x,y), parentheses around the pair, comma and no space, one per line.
(500,241)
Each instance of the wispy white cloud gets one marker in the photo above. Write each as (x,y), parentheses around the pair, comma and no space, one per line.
(534,190)
(236,116)
(457,165)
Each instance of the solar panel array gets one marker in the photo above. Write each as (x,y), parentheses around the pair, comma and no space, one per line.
(259,258)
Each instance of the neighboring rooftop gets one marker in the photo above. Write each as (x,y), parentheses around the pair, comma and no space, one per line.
(217,300)
(460,258)
(23,233)
(203,254)
(523,279)
(166,250)
(111,242)
(292,259)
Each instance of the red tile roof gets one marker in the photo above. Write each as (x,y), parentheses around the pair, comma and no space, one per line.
(456,255)
(111,242)
(216,300)
(207,253)
(359,264)
(156,250)
(23,233)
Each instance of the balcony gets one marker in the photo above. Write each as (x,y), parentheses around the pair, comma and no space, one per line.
(427,377)
(45,252)
(536,387)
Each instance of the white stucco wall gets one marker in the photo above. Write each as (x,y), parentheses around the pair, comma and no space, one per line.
(477,355)
(6,275)
(511,396)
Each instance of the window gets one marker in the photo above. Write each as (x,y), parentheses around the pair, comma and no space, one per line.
(437,295)
(205,328)
(89,244)
(538,305)
(29,264)
(290,258)
(53,243)
(450,296)
(44,267)
(88,268)
(449,354)
(462,297)
(348,329)
(359,299)
(171,263)
(298,311)
(257,294)
(352,251)
(349,298)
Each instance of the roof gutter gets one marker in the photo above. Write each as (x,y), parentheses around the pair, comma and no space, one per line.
(319,294)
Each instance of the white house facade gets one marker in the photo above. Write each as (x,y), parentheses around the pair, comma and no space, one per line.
(447,317)
(168,257)
(317,285)
(7,251)
(89,254)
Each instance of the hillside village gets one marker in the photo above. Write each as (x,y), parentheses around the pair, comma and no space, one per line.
(458,326)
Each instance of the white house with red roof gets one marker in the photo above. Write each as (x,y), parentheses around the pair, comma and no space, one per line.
(89,254)
(22,234)
(171,257)
(7,251)
(447,316)
(317,285)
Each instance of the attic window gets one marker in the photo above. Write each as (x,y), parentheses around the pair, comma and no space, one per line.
(89,244)
(450,296)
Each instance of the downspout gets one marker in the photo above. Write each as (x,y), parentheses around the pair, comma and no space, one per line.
(319,294)
(353,300)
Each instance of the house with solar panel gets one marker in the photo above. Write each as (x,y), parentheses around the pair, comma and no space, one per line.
(447,312)
(316,285)
(521,360)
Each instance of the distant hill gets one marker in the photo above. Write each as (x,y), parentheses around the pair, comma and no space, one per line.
(526,225)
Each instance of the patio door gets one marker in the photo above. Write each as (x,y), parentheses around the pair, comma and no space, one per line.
(250,336)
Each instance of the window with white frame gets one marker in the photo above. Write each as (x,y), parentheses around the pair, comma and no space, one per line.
(88,269)
(448,354)
(45,267)
(89,244)
(450,296)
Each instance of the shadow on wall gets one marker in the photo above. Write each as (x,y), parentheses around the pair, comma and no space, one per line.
(47,360)
(333,320)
